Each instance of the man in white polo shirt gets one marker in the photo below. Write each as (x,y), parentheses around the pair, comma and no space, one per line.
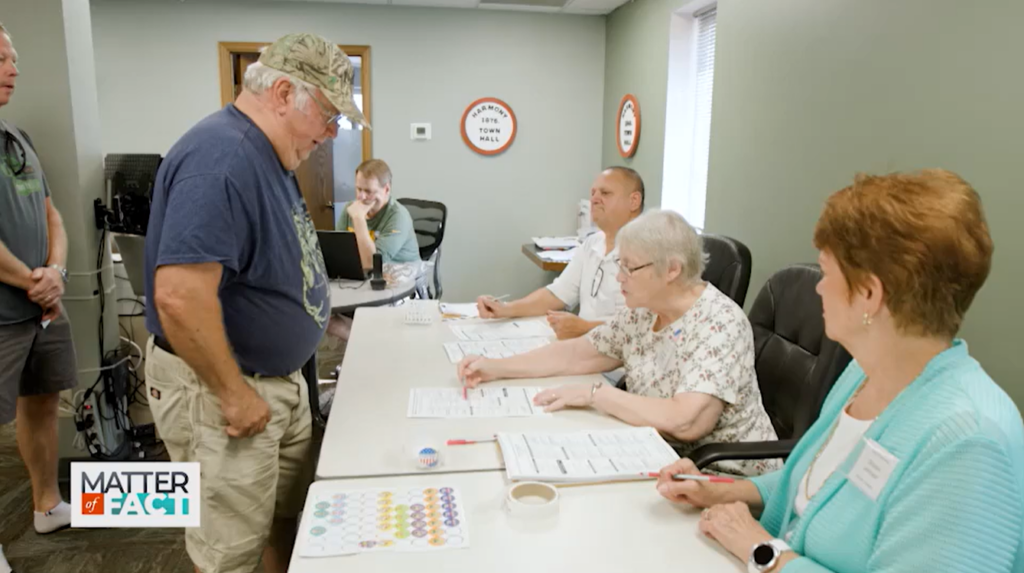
(616,198)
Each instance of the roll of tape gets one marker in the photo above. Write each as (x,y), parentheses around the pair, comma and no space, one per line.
(532,499)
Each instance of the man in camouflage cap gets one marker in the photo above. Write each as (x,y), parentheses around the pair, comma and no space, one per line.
(240,300)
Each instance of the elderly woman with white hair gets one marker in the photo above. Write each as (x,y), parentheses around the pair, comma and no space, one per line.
(687,349)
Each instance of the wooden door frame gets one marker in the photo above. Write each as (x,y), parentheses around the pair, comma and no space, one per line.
(225,49)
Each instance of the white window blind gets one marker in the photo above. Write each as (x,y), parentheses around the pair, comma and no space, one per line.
(702,114)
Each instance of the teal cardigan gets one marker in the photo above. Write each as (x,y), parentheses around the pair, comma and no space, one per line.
(954,502)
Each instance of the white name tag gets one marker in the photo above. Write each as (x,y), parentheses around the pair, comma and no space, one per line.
(872,469)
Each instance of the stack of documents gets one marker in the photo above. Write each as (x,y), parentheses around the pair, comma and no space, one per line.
(582,457)
(513,330)
(459,311)
(547,243)
(557,256)
(492,348)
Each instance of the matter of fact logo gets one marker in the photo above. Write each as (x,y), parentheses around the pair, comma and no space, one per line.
(134,494)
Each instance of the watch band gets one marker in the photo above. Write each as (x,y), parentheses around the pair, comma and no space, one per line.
(777,548)
(62,270)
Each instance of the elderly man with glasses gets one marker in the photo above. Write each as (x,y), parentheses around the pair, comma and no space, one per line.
(37,357)
(616,198)
(687,349)
(240,300)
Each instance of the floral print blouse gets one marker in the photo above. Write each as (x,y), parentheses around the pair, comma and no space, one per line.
(710,349)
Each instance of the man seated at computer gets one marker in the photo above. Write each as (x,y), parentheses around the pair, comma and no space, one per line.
(616,198)
(380,224)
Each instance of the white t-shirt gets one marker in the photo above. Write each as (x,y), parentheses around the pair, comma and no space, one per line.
(848,433)
(589,281)
(710,350)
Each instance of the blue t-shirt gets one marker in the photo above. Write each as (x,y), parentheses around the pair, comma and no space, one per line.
(221,195)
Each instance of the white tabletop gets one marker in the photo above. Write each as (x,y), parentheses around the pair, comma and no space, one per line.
(609,528)
(348,295)
(368,432)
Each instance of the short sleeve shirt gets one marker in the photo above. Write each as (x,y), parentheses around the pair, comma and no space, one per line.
(710,349)
(222,195)
(589,281)
(392,232)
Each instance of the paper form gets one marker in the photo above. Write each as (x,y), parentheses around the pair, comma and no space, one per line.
(513,330)
(494,349)
(600,455)
(481,402)
(458,311)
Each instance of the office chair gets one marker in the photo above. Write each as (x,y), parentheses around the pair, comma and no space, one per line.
(728,266)
(429,219)
(796,364)
(312,375)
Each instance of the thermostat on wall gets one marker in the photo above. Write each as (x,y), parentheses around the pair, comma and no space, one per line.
(420,131)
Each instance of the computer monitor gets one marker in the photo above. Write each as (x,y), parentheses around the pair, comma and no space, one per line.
(341,255)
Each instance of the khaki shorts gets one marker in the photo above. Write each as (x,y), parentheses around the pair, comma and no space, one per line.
(246,483)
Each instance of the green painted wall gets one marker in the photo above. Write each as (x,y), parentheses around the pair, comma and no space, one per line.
(809,92)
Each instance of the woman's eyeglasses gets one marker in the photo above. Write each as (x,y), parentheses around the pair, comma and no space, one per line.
(628,271)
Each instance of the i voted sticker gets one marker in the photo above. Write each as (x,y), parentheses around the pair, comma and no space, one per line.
(872,469)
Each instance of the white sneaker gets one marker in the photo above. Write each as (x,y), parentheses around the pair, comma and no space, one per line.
(5,567)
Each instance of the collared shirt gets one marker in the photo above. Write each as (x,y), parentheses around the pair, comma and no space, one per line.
(589,281)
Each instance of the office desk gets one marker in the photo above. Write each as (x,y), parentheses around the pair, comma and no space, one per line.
(531,251)
(609,528)
(368,432)
(346,296)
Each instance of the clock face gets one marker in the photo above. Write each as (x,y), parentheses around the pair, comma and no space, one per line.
(489,126)
(628,126)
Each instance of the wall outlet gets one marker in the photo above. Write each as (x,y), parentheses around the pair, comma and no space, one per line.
(419,131)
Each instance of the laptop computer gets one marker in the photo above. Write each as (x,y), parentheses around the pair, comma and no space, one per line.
(341,255)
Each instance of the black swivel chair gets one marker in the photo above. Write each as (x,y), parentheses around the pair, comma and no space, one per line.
(796,364)
(728,266)
(312,375)
(429,219)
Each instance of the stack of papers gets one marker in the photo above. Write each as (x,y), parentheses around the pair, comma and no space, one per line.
(514,330)
(460,311)
(492,348)
(547,243)
(582,457)
(483,402)
(557,256)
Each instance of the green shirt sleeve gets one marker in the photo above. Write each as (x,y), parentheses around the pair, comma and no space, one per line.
(395,236)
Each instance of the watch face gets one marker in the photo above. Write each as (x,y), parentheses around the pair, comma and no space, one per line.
(763,554)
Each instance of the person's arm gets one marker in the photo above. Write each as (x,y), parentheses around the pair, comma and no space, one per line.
(562,358)
(537,303)
(567,325)
(366,245)
(13,271)
(58,237)
(188,306)
(704,494)
(686,417)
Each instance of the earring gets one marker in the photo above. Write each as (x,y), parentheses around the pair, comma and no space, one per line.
(867,319)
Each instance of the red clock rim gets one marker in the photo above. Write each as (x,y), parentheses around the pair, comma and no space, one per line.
(465,138)
(618,126)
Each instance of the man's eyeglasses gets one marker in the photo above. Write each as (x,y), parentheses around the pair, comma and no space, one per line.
(628,271)
(324,112)
(14,153)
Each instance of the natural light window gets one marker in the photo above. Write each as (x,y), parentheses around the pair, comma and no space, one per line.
(691,77)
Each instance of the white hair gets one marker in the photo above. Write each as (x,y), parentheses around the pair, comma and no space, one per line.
(665,236)
(259,78)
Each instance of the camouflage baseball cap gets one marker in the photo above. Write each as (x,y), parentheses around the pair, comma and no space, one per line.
(313,59)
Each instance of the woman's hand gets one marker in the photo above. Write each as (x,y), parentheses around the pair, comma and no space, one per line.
(570,395)
(699,494)
(475,370)
(734,528)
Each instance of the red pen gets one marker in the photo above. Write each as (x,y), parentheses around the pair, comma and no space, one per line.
(469,442)
(680,477)
(465,396)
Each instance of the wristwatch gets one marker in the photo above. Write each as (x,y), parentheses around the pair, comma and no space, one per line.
(63,272)
(765,555)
